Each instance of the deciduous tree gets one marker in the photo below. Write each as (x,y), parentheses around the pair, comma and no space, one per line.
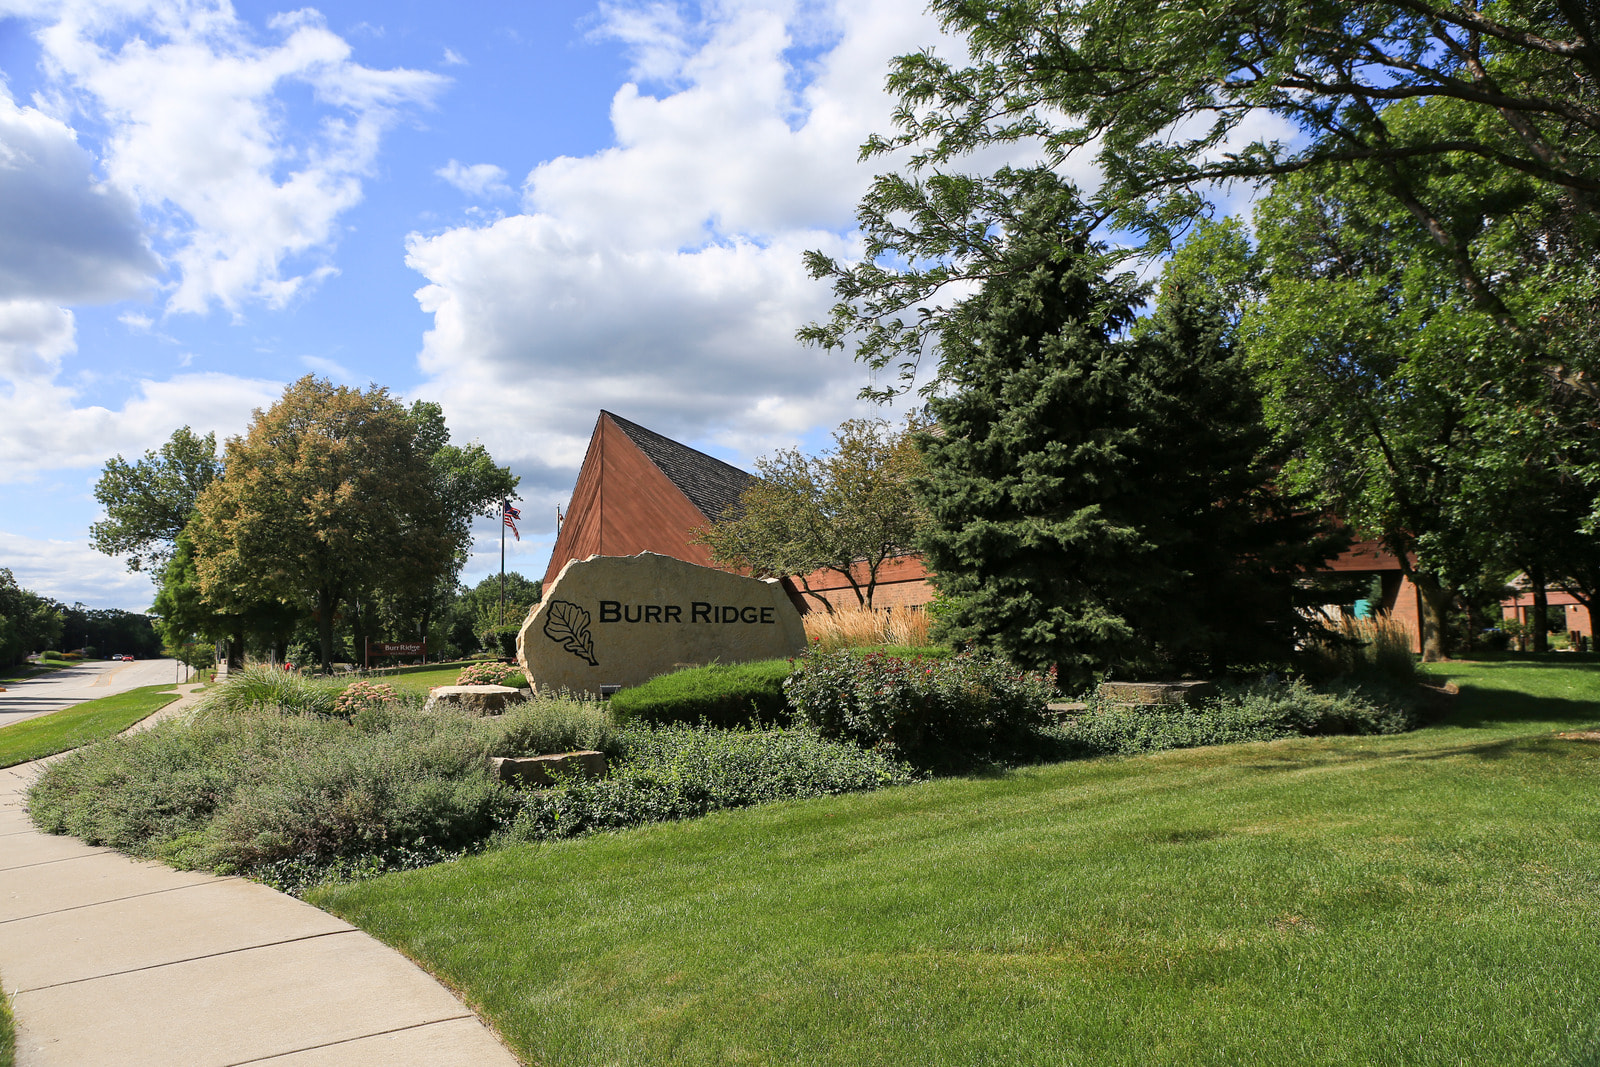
(148,503)
(326,495)
(847,510)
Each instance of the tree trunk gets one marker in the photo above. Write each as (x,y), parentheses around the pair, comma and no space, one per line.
(236,650)
(325,603)
(1540,613)
(1434,616)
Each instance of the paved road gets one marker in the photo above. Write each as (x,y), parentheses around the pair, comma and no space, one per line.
(45,693)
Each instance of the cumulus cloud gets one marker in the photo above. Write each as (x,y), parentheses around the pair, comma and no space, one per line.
(33,337)
(662,277)
(65,236)
(480,179)
(195,109)
(72,572)
(46,428)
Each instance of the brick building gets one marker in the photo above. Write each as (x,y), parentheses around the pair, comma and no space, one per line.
(639,491)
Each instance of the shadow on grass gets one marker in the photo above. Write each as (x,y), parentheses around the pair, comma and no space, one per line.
(1476,708)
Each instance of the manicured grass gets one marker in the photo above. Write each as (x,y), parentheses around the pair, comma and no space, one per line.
(1420,899)
(8,1032)
(422,679)
(90,721)
(31,670)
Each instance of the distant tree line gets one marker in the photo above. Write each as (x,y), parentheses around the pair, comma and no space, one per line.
(338,516)
(31,623)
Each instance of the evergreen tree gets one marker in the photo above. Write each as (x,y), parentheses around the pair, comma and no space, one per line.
(1101,496)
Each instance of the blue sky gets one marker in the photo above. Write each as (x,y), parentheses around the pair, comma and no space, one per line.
(527,212)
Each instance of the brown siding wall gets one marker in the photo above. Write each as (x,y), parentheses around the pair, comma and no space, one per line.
(902,583)
(623,505)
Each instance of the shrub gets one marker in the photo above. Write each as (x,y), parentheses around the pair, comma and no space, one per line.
(932,712)
(720,694)
(1256,711)
(679,772)
(541,726)
(360,696)
(490,673)
(1364,648)
(274,687)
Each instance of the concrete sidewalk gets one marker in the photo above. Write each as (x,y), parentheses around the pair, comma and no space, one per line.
(112,961)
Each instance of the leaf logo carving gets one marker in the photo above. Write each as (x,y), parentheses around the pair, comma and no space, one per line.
(568,626)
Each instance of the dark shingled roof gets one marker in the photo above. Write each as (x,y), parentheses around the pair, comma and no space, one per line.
(710,484)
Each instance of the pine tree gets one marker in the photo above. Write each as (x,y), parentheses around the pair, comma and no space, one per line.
(1101,495)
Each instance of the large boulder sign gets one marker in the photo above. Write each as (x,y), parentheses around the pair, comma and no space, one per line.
(622,620)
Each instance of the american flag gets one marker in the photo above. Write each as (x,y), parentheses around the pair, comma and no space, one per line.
(510,515)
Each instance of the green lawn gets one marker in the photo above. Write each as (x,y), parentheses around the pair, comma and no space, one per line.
(32,670)
(90,721)
(421,679)
(8,1032)
(1420,899)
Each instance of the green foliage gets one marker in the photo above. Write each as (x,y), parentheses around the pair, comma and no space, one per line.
(1101,501)
(933,712)
(81,724)
(1159,93)
(846,510)
(720,694)
(1332,901)
(543,726)
(148,503)
(273,687)
(327,495)
(28,622)
(679,772)
(1257,711)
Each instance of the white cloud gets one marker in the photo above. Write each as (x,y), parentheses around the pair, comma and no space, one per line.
(139,323)
(33,338)
(72,572)
(662,278)
(326,367)
(64,236)
(480,179)
(46,429)
(453,58)
(197,115)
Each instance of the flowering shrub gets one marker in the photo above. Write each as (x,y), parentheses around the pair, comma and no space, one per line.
(361,695)
(924,710)
(487,674)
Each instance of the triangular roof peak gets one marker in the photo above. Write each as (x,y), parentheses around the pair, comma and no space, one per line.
(712,486)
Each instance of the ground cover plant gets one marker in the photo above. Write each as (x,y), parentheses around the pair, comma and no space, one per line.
(1264,709)
(81,724)
(8,1033)
(310,788)
(1414,898)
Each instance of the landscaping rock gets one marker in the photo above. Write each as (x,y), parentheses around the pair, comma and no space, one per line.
(622,620)
(473,699)
(534,772)
(1156,692)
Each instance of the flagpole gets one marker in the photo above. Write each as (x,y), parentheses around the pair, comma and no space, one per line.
(502,563)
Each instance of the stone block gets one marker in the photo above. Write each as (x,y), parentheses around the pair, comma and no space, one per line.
(622,620)
(473,699)
(1157,692)
(534,772)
